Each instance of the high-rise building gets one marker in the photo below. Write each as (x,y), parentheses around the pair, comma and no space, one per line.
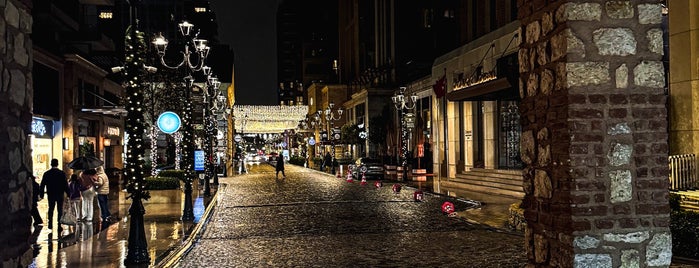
(306,46)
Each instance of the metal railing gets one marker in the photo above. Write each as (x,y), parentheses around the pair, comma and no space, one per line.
(683,172)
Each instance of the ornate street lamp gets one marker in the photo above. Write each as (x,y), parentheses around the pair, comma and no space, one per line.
(243,123)
(330,117)
(194,54)
(402,104)
(212,90)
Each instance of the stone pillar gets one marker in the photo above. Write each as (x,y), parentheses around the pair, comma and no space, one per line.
(16,116)
(594,139)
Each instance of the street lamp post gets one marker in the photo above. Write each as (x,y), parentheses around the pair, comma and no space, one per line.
(403,104)
(330,117)
(210,94)
(196,48)
(133,71)
(243,122)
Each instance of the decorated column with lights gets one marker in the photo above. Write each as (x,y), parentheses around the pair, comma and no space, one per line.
(194,55)
(137,252)
(404,103)
(187,156)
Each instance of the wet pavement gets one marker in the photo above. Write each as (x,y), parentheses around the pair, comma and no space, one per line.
(312,219)
(309,219)
(97,244)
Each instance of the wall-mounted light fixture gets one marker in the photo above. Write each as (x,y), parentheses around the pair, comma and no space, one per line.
(66,144)
(107,142)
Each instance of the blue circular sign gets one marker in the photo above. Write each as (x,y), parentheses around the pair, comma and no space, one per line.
(311,141)
(169,122)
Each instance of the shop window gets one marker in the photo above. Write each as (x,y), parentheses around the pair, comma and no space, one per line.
(509,136)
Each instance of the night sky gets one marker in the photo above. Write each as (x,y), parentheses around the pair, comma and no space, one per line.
(249,27)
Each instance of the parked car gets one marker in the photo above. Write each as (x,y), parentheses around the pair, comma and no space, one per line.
(373,167)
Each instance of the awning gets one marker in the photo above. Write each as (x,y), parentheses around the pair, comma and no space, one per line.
(498,89)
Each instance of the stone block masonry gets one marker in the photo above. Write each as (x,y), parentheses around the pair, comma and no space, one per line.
(16,96)
(594,139)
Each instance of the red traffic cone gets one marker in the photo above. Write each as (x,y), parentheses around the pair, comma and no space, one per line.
(378,184)
(349,177)
(396,188)
(338,175)
(418,195)
(363,179)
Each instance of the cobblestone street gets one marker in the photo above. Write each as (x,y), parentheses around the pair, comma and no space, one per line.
(312,219)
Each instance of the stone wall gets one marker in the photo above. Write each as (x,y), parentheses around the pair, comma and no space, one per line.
(15,118)
(594,138)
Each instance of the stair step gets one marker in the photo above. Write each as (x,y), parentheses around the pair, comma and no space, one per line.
(472,177)
(484,189)
(510,187)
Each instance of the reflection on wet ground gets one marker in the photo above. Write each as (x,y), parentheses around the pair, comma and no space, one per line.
(104,244)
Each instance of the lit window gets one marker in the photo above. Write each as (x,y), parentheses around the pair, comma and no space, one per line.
(199,9)
(106,15)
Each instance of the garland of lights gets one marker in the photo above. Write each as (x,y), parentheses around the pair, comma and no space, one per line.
(187,142)
(178,148)
(135,125)
(153,136)
(270,119)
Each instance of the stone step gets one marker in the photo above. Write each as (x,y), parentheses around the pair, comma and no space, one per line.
(486,178)
(490,190)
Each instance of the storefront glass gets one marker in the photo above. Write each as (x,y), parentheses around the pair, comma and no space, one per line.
(509,136)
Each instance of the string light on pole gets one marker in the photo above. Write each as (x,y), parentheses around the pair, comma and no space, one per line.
(403,103)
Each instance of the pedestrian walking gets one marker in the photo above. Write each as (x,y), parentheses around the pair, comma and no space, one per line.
(102,186)
(54,183)
(75,196)
(280,166)
(36,196)
(327,160)
(87,181)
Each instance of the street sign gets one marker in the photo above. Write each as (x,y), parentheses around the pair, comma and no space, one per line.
(169,122)
(409,120)
(311,141)
(336,136)
(199,160)
(238,138)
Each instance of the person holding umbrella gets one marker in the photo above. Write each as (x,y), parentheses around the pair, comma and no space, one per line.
(54,183)
(87,181)
(87,191)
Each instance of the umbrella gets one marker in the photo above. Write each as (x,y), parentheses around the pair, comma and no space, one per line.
(85,162)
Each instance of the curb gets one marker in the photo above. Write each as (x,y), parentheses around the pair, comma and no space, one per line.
(172,259)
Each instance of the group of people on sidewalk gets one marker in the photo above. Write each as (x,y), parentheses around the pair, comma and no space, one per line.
(80,191)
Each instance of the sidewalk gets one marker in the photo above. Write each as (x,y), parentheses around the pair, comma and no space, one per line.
(97,245)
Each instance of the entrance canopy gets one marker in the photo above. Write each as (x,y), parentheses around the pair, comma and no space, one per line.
(267,119)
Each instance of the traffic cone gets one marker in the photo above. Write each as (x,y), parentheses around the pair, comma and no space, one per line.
(363,179)
(338,175)
(349,176)
(378,184)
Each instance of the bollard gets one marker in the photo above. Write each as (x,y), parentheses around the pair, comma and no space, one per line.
(447,207)
(418,195)
(396,188)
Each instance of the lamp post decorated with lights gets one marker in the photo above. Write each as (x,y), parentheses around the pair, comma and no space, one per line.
(403,104)
(330,117)
(240,140)
(194,55)
(134,71)
(210,97)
